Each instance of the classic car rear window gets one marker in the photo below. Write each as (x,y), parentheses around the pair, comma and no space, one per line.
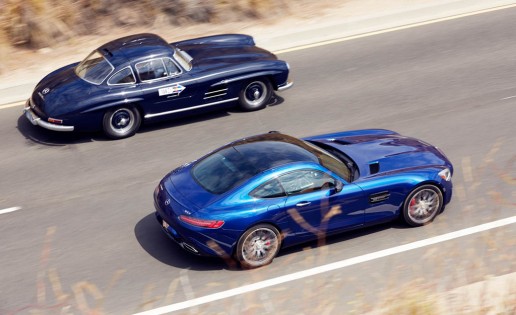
(124,76)
(94,69)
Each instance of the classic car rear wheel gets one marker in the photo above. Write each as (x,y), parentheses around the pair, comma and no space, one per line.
(255,95)
(121,122)
(258,246)
(422,205)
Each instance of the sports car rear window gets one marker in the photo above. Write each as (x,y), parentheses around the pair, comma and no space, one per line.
(94,69)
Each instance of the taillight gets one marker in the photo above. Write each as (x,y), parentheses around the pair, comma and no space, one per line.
(55,121)
(209,224)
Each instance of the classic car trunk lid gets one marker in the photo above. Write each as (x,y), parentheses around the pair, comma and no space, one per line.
(58,92)
(214,56)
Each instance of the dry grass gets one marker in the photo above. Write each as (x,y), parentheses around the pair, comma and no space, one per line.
(42,23)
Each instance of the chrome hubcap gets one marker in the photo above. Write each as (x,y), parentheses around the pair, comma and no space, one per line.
(255,93)
(122,120)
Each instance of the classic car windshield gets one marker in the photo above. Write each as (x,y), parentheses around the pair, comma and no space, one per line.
(183,58)
(94,69)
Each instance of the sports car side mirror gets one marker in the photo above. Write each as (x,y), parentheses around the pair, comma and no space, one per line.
(338,186)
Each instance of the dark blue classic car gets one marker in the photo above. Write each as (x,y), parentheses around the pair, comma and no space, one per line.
(142,77)
(252,197)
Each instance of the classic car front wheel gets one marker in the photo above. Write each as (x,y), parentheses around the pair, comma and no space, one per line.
(422,205)
(121,122)
(258,246)
(255,94)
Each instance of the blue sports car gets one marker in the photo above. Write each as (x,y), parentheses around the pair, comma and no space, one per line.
(252,197)
(142,77)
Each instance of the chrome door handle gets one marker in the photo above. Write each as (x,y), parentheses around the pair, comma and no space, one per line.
(303,203)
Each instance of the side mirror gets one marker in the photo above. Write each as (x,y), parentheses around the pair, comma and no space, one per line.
(338,186)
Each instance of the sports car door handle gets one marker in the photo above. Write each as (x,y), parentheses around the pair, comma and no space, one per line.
(303,203)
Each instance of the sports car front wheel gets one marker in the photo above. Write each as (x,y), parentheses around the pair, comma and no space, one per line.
(422,205)
(258,246)
(121,122)
(255,95)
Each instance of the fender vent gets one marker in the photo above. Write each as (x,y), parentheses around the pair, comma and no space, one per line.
(374,168)
(216,91)
(379,197)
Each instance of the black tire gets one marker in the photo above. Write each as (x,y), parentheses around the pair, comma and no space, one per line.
(121,122)
(255,95)
(258,246)
(422,205)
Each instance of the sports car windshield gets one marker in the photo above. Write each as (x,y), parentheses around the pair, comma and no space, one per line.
(94,69)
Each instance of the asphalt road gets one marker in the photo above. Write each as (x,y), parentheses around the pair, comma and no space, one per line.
(85,237)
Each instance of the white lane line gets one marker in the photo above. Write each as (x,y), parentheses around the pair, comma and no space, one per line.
(393,29)
(329,267)
(9,210)
(508,98)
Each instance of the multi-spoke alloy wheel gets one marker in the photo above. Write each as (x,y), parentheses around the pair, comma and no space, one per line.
(422,205)
(121,122)
(258,246)
(255,95)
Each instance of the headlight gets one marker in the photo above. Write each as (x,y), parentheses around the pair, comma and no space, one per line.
(445,174)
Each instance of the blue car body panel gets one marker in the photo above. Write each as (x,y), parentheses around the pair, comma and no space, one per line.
(390,166)
(220,67)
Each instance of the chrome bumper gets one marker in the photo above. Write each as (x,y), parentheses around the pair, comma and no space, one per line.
(35,120)
(286,86)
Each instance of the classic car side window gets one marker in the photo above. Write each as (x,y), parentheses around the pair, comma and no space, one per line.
(124,76)
(172,69)
(305,181)
(151,70)
(271,189)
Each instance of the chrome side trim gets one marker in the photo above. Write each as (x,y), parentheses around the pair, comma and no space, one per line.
(35,120)
(286,86)
(189,108)
(218,91)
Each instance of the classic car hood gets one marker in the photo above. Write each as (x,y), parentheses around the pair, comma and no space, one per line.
(56,94)
(182,187)
(392,152)
(209,56)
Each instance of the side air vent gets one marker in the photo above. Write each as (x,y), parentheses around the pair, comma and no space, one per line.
(374,168)
(216,91)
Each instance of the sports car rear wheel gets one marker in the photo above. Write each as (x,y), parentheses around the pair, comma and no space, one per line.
(422,205)
(121,122)
(258,246)
(255,95)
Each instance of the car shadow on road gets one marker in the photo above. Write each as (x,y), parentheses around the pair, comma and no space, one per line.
(158,245)
(38,135)
(345,236)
